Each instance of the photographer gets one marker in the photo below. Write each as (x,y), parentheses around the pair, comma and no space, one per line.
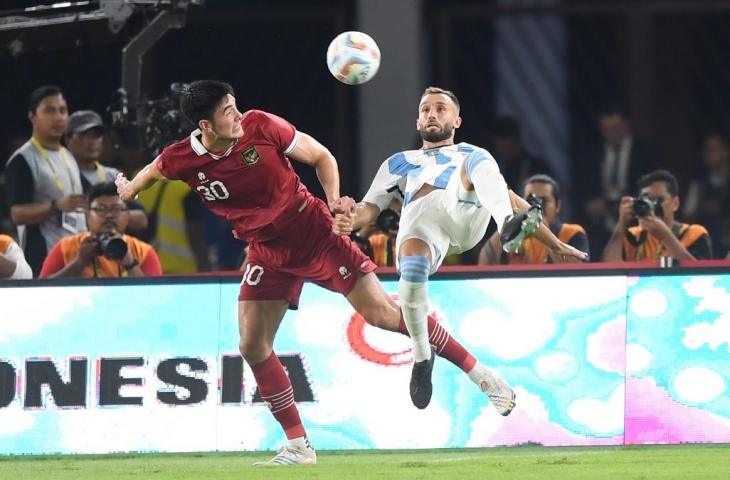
(542,190)
(658,234)
(103,251)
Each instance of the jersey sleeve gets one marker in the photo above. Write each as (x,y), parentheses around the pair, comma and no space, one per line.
(53,262)
(389,182)
(19,184)
(165,165)
(277,130)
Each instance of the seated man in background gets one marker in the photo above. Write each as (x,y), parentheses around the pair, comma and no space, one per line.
(658,234)
(542,190)
(84,138)
(12,262)
(103,251)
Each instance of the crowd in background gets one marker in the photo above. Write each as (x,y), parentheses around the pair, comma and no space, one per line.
(64,218)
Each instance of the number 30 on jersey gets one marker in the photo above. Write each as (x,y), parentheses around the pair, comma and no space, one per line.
(214,191)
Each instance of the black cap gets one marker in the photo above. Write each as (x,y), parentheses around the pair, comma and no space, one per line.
(84,120)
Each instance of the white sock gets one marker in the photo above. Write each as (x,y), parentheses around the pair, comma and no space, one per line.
(300,442)
(476,374)
(413,298)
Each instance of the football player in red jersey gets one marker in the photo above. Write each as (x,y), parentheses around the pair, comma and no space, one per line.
(239,164)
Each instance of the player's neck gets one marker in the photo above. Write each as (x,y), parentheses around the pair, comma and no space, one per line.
(215,144)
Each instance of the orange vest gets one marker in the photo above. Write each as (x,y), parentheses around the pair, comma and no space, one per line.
(383,249)
(5,242)
(533,251)
(102,266)
(642,246)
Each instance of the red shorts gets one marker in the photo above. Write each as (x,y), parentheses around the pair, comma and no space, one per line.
(277,269)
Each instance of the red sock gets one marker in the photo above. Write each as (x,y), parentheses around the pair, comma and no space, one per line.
(444,344)
(276,390)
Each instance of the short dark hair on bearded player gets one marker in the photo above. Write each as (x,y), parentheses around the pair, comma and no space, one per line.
(200,99)
(37,96)
(547,180)
(104,189)
(438,90)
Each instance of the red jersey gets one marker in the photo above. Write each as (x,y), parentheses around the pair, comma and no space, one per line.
(252,185)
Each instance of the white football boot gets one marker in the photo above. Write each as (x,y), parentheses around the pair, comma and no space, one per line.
(499,392)
(291,454)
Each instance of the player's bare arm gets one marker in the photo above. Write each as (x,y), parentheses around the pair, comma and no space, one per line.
(128,189)
(543,233)
(310,152)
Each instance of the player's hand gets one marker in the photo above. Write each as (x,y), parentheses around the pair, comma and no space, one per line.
(342,205)
(563,251)
(124,188)
(72,202)
(343,222)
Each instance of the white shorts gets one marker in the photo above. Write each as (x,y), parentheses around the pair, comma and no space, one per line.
(448,221)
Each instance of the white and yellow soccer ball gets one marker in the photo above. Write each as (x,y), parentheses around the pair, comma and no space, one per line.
(353,58)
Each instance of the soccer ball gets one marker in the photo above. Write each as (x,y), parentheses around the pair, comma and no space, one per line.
(353,58)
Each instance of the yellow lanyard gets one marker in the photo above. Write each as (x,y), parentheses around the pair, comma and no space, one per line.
(100,172)
(62,152)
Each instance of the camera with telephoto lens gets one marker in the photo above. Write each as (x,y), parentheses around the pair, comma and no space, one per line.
(645,205)
(112,247)
(535,201)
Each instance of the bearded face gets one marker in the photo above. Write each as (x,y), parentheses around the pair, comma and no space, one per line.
(436,133)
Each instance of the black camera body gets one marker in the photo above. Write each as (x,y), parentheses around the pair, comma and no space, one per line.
(535,201)
(388,221)
(112,247)
(644,206)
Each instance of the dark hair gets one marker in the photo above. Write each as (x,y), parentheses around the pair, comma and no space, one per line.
(104,189)
(505,126)
(612,109)
(722,137)
(548,180)
(37,96)
(448,93)
(200,99)
(660,176)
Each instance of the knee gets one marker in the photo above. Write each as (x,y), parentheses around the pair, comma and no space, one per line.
(253,352)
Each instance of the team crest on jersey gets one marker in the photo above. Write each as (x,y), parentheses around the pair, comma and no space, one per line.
(250,156)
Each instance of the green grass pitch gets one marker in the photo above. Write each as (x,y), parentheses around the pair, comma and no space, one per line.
(682,462)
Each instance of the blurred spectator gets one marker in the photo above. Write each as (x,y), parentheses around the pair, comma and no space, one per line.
(103,251)
(12,262)
(42,182)
(658,234)
(176,227)
(85,138)
(545,191)
(708,197)
(515,162)
(381,239)
(622,159)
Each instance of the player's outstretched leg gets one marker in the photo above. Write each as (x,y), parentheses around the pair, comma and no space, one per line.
(413,294)
(489,381)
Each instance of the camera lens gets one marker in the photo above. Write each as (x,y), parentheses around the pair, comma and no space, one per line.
(113,248)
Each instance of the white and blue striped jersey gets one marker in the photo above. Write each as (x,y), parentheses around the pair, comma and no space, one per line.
(405,173)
